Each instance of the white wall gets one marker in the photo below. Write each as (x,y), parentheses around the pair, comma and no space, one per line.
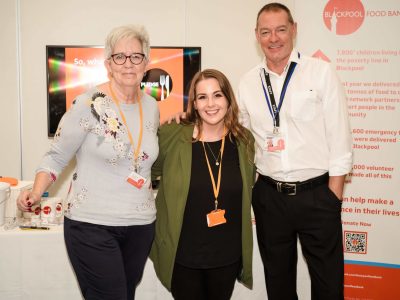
(10,150)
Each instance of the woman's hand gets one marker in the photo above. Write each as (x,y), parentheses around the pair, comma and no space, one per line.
(27,199)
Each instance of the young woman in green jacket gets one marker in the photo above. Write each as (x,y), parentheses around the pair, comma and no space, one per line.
(203,239)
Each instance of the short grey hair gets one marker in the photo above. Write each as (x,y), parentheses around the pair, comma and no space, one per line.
(127,31)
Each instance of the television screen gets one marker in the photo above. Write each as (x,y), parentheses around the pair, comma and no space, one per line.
(73,69)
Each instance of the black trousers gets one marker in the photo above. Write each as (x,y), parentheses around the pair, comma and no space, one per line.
(204,284)
(314,216)
(108,260)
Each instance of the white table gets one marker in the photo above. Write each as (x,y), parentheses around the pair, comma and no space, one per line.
(34,265)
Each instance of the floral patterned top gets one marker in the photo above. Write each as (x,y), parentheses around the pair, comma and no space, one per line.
(93,131)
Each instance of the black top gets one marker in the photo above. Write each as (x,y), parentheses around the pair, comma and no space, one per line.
(201,246)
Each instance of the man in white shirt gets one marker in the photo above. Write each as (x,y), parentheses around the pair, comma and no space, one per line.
(296,108)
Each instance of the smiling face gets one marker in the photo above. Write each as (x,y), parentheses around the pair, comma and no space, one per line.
(275,34)
(211,104)
(126,75)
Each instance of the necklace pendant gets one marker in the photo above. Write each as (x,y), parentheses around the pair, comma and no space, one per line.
(217,163)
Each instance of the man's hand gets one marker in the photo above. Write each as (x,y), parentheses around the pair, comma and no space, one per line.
(177,117)
(336,184)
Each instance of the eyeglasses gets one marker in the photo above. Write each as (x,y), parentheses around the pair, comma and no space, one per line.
(135,58)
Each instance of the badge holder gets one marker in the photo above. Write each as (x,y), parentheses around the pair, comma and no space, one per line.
(136,180)
(275,141)
(216,217)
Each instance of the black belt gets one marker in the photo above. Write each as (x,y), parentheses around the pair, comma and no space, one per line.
(292,188)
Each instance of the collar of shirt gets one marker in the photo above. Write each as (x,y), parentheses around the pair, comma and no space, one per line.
(294,57)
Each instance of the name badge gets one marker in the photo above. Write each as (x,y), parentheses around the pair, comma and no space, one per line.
(216,217)
(274,142)
(136,180)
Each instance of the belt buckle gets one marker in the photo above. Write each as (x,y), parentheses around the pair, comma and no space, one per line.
(289,185)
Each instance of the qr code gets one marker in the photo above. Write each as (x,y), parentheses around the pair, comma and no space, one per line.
(355,242)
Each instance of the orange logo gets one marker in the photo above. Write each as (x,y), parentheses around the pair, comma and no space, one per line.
(321,55)
(343,17)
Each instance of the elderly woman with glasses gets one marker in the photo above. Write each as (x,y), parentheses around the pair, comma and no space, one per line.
(112,131)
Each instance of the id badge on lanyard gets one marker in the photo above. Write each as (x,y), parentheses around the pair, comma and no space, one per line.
(274,141)
(136,179)
(216,217)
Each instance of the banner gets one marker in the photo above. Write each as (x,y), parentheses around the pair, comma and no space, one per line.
(358,38)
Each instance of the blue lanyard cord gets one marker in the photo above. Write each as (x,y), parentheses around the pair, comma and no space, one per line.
(274,111)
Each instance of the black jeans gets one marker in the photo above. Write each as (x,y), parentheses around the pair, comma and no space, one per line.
(314,216)
(204,284)
(108,260)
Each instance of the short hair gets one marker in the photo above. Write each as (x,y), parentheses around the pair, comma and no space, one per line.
(275,7)
(127,31)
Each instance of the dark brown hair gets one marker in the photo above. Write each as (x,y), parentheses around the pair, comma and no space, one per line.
(275,7)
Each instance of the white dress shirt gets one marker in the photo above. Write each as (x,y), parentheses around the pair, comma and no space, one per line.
(313,120)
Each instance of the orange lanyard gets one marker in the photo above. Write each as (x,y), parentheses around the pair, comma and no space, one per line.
(139,143)
(218,185)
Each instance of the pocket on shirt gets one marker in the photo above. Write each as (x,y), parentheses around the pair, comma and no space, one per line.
(304,105)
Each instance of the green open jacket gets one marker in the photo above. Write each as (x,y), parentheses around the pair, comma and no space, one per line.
(174,166)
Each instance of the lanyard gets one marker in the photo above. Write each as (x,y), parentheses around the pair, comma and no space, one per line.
(215,187)
(139,143)
(273,108)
